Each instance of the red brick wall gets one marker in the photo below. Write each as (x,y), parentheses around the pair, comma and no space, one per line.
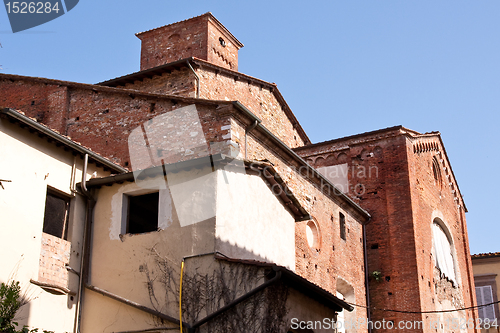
(198,37)
(99,118)
(224,56)
(173,42)
(259,99)
(401,198)
(334,258)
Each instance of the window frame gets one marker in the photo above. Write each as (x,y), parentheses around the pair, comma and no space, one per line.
(438,223)
(127,206)
(53,192)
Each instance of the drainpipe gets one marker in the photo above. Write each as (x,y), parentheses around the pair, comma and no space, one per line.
(84,263)
(197,79)
(247,130)
(367,287)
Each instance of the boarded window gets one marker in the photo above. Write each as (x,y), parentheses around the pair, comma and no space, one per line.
(55,221)
(484,295)
(443,251)
(142,213)
(342,225)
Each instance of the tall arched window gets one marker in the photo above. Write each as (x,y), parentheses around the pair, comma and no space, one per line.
(444,250)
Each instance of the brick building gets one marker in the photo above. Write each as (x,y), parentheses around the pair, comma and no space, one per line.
(404,179)
(416,241)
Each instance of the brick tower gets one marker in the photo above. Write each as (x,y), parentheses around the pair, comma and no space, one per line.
(202,37)
(405,181)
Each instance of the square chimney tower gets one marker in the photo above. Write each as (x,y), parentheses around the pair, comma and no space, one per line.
(202,37)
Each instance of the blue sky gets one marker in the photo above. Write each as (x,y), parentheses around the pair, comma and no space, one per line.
(344,67)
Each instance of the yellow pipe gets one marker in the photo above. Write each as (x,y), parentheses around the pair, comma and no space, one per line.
(180,295)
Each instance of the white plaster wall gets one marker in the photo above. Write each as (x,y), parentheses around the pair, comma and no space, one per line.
(32,164)
(251,221)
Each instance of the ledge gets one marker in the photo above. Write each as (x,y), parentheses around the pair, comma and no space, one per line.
(53,288)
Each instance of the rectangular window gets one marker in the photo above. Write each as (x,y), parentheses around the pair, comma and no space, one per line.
(342,225)
(142,213)
(55,221)
(484,295)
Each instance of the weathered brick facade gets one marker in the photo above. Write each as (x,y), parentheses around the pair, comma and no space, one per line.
(203,37)
(54,257)
(390,172)
(404,195)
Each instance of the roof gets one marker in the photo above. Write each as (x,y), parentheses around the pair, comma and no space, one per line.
(486,255)
(43,131)
(167,68)
(265,170)
(210,16)
(298,283)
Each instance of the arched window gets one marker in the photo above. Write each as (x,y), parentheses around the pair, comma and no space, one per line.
(443,250)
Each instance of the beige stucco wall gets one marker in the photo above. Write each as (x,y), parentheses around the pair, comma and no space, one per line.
(199,213)
(32,164)
(485,270)
(487,267)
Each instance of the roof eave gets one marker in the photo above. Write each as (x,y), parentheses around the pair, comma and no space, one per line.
(17,116)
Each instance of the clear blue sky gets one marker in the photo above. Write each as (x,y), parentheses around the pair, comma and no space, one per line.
(344,67)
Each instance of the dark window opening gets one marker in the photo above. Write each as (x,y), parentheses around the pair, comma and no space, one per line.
(55,220)
(374,246)
(342,225)
(222,42)
(143,213)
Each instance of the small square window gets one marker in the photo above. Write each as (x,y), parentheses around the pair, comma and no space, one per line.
(142,213)
(55,221)
(342,225)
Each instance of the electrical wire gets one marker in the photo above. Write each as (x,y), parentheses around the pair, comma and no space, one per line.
(416,312)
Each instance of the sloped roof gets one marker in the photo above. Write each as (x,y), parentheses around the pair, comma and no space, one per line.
(19,118)
(267,171)
(486,255)
(299,283)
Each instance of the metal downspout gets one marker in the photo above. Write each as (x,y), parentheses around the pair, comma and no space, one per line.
(197,79)
(85,246)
